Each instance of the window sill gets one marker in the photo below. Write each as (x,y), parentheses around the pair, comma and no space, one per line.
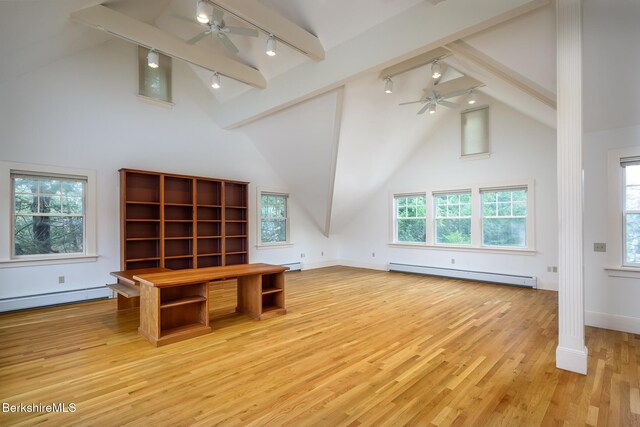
(628,272)
(275,246)
(154,101)
(26,262)
(513,251)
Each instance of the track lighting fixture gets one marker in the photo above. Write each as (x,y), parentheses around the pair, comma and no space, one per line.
(432,108)
(203,12)
(153,60)
(436,70)
(388,85)
(471,98)
(271,46)
(215,81)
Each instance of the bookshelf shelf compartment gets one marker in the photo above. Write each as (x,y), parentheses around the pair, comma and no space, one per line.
(179,221)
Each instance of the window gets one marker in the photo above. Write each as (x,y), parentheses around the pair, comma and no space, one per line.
(453,218)
(631,211)
(48,215)
(274,219)
(154,83)
(410,218)
(475,131)
(504,217)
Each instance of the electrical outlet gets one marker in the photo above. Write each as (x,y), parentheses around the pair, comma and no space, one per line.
(555,269)
(453,260)
(373,254)
(600,247)
(60,279)
(302,255)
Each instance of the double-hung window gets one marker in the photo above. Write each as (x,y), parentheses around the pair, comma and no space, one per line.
(631,211)
(410,212)
(504,217)
(274,218)
(453,218)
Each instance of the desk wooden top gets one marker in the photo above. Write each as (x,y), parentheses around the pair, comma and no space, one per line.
(127,275)
(207,274)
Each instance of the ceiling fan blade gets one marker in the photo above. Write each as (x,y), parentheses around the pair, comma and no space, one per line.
(413,102)
(216,15)
(243,31)
(448,104)
(228,43)
(199,37)
(423,109)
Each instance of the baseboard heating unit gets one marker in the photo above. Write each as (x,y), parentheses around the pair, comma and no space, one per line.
(293,266)
(55,298)
(481,276)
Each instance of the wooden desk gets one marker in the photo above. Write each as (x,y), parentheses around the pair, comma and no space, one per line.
(174,305)
(128,289)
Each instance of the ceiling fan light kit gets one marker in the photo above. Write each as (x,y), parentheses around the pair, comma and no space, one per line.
(432,108)
(203,12)
(388,85)
(271,46)
(153,59)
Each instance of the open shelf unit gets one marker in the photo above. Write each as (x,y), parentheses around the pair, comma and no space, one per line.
(180,221)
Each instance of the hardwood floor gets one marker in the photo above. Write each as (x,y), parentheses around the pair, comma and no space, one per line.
(357,347)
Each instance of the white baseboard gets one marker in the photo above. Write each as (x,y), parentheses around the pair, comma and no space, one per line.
(361,264)
(43,300)
(613,321)
(572,360)
(547,285)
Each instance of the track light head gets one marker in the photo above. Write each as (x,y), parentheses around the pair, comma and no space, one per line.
(388,85)
(471,98)
(203,12)
(215,81)
(432,108)
(271,45)
(153,59)
(436,70)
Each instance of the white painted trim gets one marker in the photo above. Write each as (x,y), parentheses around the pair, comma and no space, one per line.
(361,264)
(572,360)
(613,322)
(91,197)
(514,251)
(274,246)
(277,192)
(51,261)
(628,272)
(483,276)
(43,300)
(152,101)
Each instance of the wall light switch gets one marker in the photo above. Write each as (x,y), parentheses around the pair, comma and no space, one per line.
(600,247)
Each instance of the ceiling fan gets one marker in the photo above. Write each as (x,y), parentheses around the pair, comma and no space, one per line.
(217,27)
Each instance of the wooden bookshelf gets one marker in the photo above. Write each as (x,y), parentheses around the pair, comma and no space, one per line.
(181,221)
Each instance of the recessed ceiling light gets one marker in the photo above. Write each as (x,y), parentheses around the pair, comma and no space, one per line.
(388,85)
(153,59)
(436,70)
(271,46)
(215,81)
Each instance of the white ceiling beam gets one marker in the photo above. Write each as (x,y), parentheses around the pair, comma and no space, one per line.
(457,85)
(488,64)
(123,26)
(264,18)
(415,62)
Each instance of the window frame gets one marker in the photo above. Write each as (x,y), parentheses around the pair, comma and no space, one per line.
(615,210)
(394,218)
(482,154)
(165,66)
(435,195)
(482,216)
(476,219)
(7,251)
(274,192)
(625,213)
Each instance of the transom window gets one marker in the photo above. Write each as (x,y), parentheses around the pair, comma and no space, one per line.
(631,212)
(274,219)
(504,217)
(453,218)
(48,215)
(410,218)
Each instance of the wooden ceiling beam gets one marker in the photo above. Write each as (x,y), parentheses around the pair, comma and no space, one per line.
(270,22)
(125,27)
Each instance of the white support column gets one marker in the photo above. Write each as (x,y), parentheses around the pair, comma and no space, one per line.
(571,353)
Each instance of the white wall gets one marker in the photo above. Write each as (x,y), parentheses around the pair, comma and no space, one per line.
(610,302)
(82,111)
(522,149)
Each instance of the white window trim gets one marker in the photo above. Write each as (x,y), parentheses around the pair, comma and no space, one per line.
(433,222)
(394,222)
(272,245)
(6,232)
(615,263)
(476,219)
